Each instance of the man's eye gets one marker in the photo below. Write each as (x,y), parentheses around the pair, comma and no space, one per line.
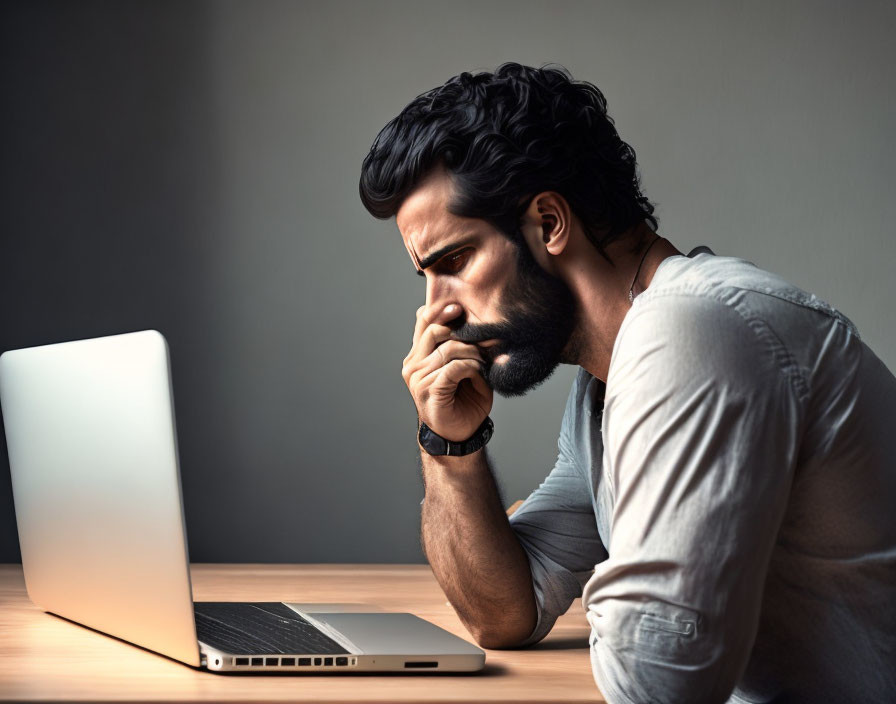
(454,262)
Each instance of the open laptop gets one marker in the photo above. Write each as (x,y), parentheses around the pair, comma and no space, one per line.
(96,485)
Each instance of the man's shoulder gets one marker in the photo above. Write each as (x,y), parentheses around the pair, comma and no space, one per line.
(690,336)
(713,276)
(731,281)
(707,298)
(724,298)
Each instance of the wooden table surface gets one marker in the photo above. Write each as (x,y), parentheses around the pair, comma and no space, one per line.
(43,657)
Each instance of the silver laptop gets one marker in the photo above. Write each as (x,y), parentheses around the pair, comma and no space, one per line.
(96,485)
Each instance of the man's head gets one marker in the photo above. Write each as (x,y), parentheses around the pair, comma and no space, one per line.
(464,165)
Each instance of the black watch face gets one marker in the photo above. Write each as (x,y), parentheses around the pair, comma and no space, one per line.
(432,443)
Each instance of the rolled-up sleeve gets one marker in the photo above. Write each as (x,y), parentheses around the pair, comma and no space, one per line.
(701,426)
(556,526)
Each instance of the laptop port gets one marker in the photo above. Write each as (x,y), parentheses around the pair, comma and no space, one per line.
(342,661)
(241,661)
(328,661)
(287,662)
(421,664)
(304,661)
(317,661)
(257,661)
(271,661)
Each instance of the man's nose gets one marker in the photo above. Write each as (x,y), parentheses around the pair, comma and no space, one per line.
(438,298)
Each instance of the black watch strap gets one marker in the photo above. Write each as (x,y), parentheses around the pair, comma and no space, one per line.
(435,444)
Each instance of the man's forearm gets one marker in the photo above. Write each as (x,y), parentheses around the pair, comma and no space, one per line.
(474,554)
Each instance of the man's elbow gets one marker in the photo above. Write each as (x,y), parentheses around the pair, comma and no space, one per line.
(496,640)
(641,673)
(501,636)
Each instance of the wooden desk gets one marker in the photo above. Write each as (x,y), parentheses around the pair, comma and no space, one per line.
(43,657)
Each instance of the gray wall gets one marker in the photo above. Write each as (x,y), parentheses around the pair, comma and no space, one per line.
(193,167)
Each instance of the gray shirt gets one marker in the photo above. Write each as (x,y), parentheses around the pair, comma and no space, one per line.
(726,504)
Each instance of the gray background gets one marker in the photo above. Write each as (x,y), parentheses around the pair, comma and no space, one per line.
(193,167)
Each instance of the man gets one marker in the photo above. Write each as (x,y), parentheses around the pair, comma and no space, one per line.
(723,497)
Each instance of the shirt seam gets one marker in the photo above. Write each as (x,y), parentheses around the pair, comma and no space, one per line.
(786,364)
(812,303)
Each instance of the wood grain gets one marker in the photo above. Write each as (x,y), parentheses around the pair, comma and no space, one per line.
(46,658)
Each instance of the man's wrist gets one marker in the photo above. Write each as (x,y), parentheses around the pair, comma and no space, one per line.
(434,444)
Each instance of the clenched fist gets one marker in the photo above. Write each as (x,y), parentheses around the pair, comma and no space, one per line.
(444,376)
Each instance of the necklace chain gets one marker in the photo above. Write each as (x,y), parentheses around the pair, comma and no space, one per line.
(631,296)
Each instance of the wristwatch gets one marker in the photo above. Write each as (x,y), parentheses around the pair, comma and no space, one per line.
(435,444)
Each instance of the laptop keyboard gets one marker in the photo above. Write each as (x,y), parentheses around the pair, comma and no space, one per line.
(262,627)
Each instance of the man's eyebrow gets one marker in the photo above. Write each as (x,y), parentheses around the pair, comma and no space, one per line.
(431,259)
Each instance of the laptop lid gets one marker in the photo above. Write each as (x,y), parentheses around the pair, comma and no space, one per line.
(95,479)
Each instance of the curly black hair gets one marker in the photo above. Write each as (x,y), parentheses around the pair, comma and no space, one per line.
(505,137)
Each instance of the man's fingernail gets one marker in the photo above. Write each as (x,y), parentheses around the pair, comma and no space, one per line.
(451,308)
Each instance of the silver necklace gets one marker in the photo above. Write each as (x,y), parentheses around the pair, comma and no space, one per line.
(631,296)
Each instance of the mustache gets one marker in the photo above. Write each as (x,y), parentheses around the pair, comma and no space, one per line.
(521,326)
(473,333)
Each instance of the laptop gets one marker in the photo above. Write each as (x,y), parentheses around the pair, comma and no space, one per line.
(96,485)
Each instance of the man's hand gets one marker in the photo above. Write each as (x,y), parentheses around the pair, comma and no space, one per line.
(444,376)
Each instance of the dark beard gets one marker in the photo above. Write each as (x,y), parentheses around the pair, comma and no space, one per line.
(539,318)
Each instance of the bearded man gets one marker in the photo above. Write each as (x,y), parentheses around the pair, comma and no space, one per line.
(722,499)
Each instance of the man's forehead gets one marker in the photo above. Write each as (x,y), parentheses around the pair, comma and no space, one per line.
(424,211)
(424,237)
(420,221)
(423,232)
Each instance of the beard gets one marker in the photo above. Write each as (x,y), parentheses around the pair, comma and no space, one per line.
(539,313)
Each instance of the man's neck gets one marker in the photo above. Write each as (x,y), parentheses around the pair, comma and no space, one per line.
(602,289)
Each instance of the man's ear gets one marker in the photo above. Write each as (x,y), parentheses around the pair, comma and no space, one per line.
(546,226)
